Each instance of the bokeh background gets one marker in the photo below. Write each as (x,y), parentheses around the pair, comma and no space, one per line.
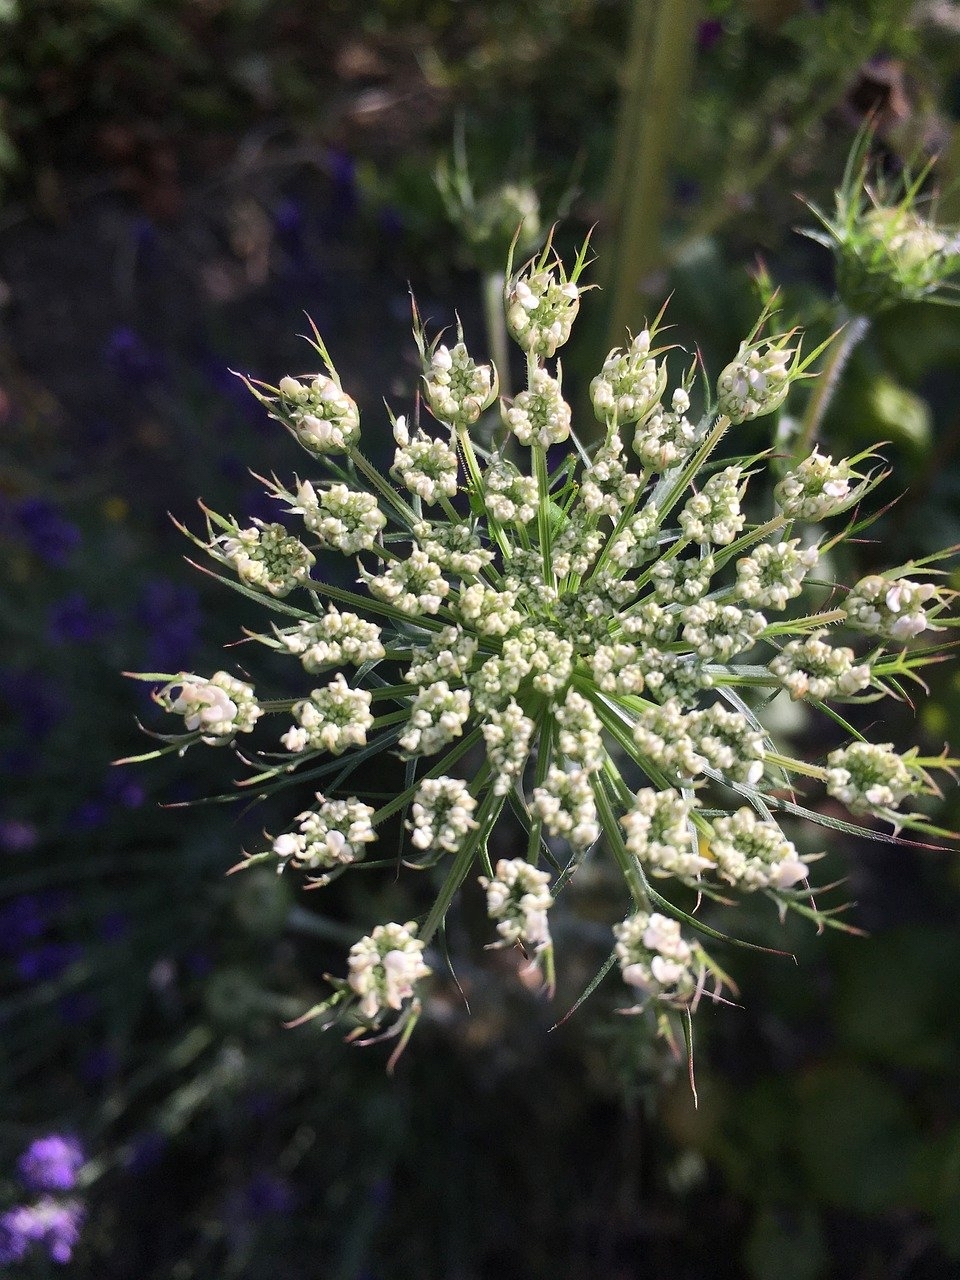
(180,180)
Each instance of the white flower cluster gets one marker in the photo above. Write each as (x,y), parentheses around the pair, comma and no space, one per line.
(811,668)
(442,814)
(333,639)
(219,708)
(817,488)
(586,640)
(437,716)
(343,519)
(385,967)
(655,959)
(320,413)
(713,515)
(456,388)
(773,573)
(332,835)
(425,466)
(508,735)
(518,898)
(267,557)
(753,854)
(332,719)
(565,804)
(665,436)
(890,607)
(539,415)
(661,835)
(541,309)
(871,777)
(630,383)
(756,382)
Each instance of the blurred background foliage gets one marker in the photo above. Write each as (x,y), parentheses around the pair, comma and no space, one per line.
(181,180)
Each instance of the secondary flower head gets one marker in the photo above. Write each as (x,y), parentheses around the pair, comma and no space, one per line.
(887,251)
(385,967)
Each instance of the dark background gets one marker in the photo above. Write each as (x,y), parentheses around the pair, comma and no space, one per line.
(180,182)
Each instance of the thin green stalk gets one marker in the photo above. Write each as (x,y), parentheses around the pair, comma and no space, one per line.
(654,87)
(496,325)
(825,386)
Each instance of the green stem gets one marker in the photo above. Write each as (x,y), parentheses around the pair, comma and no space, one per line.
(654,87)
(486,817)
(493,314)
(825,386)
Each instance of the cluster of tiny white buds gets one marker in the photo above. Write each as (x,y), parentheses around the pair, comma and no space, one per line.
(344,519)
(456,388)
(659,834)
(756,382)
(333,835)
(385,967)
(508,735)
(579,738)
(427,467)
(518,899)
(437,716)
(511,497)
(713,515)
(891,607)
(446,657)
(332,719)
(773,573)
(728,743)
(662,735)
(442,815)
(608,487)
(566,806)
(811,668)
(630,383)
(871,778)
(655,959)
(267,558)
(665,436)
(752,853)
(320,413)
(718,632)
(682,582)
(219,708)
(488,611)
(414,586)
(334,639)
(615,668)
(540,310)
(817,488)
(539,415)
(454,547)
(637,541)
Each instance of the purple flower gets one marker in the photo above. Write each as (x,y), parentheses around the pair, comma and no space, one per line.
(17,836)
(51,1163)
(73,620)
(22,920)
(53,1226)
(129,357)
(267,1193)
(170,615)
(48,533)
(48,961)
(709,33)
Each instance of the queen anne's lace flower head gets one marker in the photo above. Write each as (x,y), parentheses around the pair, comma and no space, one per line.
(590,639)
(385,968)
(218,708)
